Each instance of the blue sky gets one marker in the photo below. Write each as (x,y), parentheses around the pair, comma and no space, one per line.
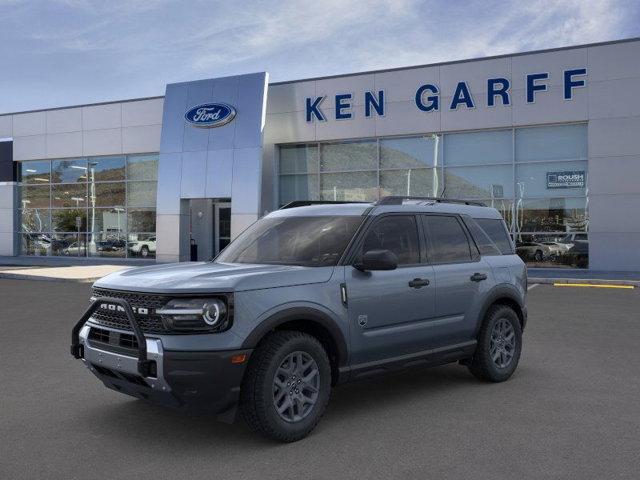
(67,52)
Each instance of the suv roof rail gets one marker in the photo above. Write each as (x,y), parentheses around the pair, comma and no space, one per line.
(306,203)
(399,200)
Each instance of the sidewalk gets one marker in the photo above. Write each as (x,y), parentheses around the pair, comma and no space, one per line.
(591,277)
(75,273)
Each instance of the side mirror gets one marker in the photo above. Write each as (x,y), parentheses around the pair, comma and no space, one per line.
(377,260)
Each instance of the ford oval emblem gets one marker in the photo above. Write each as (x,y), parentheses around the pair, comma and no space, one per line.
(210,115)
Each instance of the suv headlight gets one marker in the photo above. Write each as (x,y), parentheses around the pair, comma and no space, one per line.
(195,314)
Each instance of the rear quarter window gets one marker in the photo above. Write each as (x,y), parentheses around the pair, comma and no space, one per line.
(496,230)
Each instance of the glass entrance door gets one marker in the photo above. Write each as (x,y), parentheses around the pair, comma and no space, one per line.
(222,227)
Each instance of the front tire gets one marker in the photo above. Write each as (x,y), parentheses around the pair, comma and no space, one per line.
(287,386)
(499,345)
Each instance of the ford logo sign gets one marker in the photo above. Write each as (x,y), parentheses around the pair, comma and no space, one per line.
(210,115)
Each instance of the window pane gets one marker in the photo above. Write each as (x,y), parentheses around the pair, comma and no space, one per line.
(554,250)
(35,244)
(107,223)
(65,220)
(339,157)
(298,187)
(552,215)
(479,182)
(69,195)
(503,205)
(35,196)
(412,152)
(448,242)
(142,245)
(143,220)
(142,167)
(141,194)
(478,148)
(102,245)
(69,171)
(560,142)
(357,186)
(35,220)
(106,168)
(109,194)
(35,172)
(551,179)
(496,231)
(298,159)
(69,245)
(485,244)
(424,182)
(398,234)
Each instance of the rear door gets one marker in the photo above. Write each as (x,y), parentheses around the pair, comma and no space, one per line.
(461,277)
(390,311)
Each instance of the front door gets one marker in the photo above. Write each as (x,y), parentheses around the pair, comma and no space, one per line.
(222,227)
(390,311)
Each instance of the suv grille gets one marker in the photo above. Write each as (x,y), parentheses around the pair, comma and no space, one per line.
(149,323)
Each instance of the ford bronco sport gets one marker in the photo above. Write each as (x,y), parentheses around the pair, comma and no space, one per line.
(310,296)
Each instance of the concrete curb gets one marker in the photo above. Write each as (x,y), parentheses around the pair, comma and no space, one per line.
(18,276)
(589,281)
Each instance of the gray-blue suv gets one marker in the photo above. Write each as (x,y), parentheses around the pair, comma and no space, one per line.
(311,296)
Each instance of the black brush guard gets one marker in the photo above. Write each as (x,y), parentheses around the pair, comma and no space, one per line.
(144,365)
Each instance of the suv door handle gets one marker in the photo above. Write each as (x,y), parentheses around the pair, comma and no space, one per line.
(478,277)
(418,282)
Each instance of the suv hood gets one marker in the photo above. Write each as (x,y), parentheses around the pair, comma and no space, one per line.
(212,277)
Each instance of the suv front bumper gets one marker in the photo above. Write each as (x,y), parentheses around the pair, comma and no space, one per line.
(204,380)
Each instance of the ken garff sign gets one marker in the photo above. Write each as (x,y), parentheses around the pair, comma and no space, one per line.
(210,115)
(567,179)
(427,96)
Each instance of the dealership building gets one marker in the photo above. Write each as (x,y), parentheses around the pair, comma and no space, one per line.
(550,138)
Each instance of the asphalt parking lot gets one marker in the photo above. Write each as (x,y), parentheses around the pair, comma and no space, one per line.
(571,411)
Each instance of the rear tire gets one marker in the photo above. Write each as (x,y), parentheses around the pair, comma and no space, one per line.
(287,386)
(499,345)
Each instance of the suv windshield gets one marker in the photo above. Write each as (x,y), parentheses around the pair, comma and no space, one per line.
(306,241)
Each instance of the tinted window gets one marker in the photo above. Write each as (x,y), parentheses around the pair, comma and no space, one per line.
(448,241)
(306,241)
(482,240)
(497,232)
(397,233)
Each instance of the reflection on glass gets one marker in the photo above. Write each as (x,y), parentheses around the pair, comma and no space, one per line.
(142,167)
(141,194)
(558,142)
(503,205)
(298,159)
(421,182)
(413,152)
(110,194)
(142,220)
(569,250)
(34,196)
(67,220)
(298,187)
(69,195)
(69,245)
(37,244)
(552,215)
(479,182)
(542,179)
(357,186)
(478,148)
(35,220)
(69,171)
(348,156)
(107,168)
(35,172)
(142,245)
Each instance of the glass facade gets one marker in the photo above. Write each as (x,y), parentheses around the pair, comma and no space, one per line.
(95,206)
(535,176)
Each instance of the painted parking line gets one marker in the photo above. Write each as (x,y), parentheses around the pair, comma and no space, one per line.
(532,286)
(592,285)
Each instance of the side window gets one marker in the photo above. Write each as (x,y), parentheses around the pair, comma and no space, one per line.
(397,233)
(485,244)
(497,232)
(448,241)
